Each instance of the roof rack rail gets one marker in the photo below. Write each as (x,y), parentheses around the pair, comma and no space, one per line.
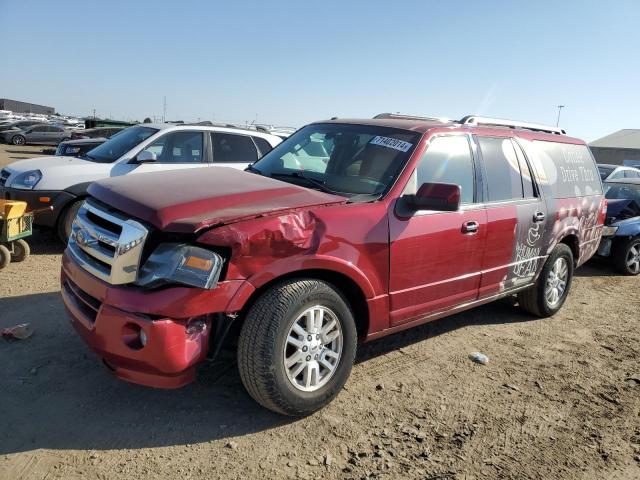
(499,122)
(399,116)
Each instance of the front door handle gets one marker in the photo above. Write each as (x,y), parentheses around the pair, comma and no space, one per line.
(470,227)
(538,217)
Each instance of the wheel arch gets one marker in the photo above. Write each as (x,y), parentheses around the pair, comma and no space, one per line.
(351,291)
(571,240)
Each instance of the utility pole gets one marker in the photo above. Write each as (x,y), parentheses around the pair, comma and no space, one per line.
(164,110)
(94,113)
(560,107)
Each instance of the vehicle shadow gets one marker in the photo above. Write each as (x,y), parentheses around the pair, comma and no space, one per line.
(495,313)
(45,242)
(57,395)
(596,267)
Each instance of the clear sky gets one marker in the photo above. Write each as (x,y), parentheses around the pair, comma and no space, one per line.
(292,62)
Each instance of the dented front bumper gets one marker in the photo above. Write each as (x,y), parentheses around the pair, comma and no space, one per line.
(154,338)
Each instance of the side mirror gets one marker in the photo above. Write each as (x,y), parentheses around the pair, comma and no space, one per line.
(435,196)
(146,156)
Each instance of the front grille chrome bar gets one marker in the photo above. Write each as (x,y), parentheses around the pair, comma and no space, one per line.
(107,244)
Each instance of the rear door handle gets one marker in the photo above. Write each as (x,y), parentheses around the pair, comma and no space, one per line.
(470,227)
(538,217)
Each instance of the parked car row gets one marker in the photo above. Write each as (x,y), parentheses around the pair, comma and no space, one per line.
(297,250)
(62,181)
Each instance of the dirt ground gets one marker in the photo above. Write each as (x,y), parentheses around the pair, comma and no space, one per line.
(559,399)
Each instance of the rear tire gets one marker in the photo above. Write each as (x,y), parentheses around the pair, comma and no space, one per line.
(21,251)
(5,257)
(276,342)
(66,220)
(18,140)
(626,257)
(549,293)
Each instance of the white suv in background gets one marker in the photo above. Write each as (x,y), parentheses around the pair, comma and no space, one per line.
(61,182)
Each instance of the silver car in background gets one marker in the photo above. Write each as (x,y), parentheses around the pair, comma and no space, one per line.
(42,134)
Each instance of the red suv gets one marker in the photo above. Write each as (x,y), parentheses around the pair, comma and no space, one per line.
(348,231)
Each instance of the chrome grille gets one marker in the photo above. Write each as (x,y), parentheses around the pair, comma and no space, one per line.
(107,244)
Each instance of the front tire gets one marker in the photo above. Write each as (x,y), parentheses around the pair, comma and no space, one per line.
(626,257)
(549,293)
(18,140)
(297,346)
(66,221)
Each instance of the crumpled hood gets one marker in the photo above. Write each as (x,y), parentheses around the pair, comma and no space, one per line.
(189,200)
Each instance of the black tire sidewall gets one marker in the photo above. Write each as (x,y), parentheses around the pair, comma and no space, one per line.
(13,140)
(5,257)
(21,251)
(66,218)
(560,250)
(311,401)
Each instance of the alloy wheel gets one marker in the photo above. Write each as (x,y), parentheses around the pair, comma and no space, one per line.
(633,259)
(313,348)
(556,282)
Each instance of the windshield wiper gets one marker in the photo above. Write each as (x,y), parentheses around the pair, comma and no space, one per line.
(313,181)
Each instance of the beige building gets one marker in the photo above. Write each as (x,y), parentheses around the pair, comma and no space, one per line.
(619,148)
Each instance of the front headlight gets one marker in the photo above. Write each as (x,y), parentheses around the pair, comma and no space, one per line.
(609,231)
(27,180)
(181,263)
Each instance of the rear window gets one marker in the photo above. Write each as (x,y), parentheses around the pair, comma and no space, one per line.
(264,146)
(605,171)
(568,169)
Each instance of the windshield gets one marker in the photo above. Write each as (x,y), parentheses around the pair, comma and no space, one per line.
(350,160)
(118,145)
(619,191)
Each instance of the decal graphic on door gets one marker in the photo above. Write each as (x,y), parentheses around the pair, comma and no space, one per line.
(527,253)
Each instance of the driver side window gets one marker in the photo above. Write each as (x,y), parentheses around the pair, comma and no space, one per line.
(447,160)
(178,147)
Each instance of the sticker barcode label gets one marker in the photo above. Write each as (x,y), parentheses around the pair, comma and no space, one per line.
(391,143)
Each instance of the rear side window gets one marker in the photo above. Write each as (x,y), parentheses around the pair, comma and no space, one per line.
(503,178)
(264,146)
(631,174)
(230,148)
(448,160)
(568,169)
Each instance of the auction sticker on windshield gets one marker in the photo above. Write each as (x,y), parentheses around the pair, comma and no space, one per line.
(391,143)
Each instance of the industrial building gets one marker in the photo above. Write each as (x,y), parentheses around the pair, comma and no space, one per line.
(24,107)
(619,148)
